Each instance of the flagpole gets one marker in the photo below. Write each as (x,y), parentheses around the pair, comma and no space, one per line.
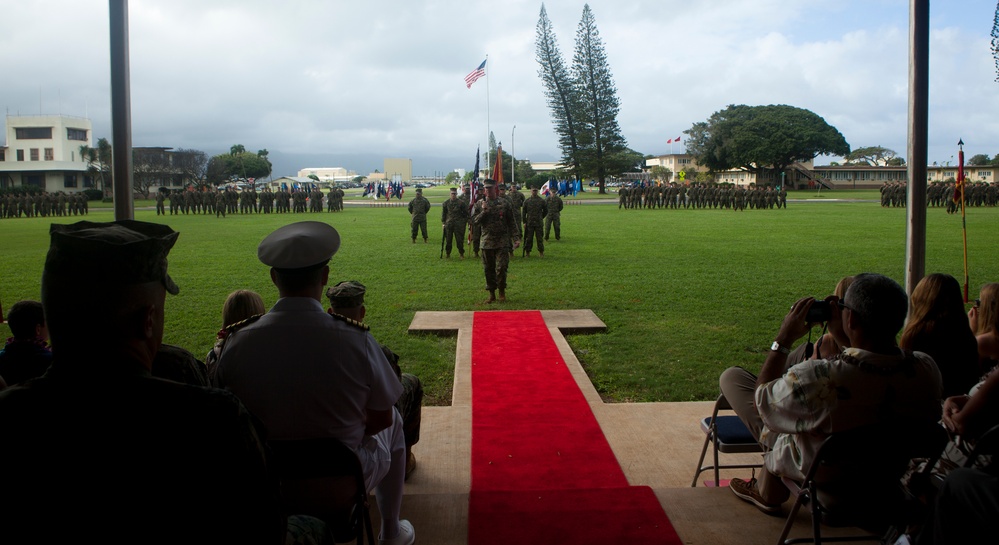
(488,130)
(964,221)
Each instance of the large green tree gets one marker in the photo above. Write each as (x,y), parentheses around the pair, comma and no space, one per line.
(760,137)
(583,101)
(978,160)
(560,91)
(876,156)
(242,165)
(603,147)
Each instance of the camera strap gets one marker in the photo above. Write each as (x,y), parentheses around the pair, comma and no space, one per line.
(809,346)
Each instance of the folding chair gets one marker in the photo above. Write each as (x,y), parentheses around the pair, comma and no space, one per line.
(726,434)
(854,480)
(323,478)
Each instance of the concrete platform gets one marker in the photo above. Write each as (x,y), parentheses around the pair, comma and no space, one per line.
(657,445)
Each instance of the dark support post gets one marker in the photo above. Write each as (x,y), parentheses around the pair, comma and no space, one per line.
(121,117)
(919,62)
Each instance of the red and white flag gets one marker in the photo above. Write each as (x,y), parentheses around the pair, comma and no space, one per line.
(474,75)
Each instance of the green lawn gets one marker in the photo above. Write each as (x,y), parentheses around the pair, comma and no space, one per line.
(684,293)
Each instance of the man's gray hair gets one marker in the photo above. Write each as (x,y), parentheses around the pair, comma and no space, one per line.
(880,302)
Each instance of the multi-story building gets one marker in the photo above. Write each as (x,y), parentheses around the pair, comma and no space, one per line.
(399,170)
(801,175)
(43,152)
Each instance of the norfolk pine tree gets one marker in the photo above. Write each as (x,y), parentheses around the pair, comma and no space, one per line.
(563,100)
(599,134)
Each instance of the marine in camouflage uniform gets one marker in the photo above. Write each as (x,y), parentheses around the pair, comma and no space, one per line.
(499,233)
(339,199)
(221,204)
(534,211)
(418,208)
(454,219)
(474,231)
(266,201)
(517,200)
(554,216)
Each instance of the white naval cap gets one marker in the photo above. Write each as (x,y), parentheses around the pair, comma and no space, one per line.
(299,245)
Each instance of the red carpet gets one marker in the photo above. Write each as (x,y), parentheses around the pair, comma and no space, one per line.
(542,470)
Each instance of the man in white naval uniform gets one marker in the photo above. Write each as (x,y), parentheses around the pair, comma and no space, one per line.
(307,374)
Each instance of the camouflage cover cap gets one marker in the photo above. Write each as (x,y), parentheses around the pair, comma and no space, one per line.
(346,294)
(299,245)
(419,190)
(489,182)
(124,252)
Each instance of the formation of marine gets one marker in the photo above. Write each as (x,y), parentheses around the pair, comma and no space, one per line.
(696,195)
(248,201)
(942,195)
(43,204)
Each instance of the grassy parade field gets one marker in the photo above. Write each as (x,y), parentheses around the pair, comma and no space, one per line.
(684,293)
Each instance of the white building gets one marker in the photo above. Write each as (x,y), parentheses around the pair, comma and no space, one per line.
(328,175)
(43,152)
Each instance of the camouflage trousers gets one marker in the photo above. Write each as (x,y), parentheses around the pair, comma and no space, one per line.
(532,232)
(476,234)
(410,405)
(495,262)
(557,222)
(419,224)
(455,233)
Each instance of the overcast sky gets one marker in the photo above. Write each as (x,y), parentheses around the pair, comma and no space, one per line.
(347,83)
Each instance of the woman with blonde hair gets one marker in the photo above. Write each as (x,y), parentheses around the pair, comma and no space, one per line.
(984,320)
(937,326)
(239,306)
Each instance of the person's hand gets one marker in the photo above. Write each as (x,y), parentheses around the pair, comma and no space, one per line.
(516,244)
(794,325)
(973,319)
(951,409)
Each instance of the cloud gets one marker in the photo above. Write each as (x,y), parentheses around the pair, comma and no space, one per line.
(337,78)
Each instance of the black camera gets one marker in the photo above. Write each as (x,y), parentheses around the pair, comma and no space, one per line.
(820,311)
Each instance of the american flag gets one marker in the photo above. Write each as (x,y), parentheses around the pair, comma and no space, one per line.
(474,75)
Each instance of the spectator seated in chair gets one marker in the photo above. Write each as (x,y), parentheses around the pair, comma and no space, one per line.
(26,355)
(792,411)
(984,319)
(967,506)
(347,299)
(937,325)
(308,374)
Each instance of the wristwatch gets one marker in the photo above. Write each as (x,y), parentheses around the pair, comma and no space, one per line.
(776,347)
